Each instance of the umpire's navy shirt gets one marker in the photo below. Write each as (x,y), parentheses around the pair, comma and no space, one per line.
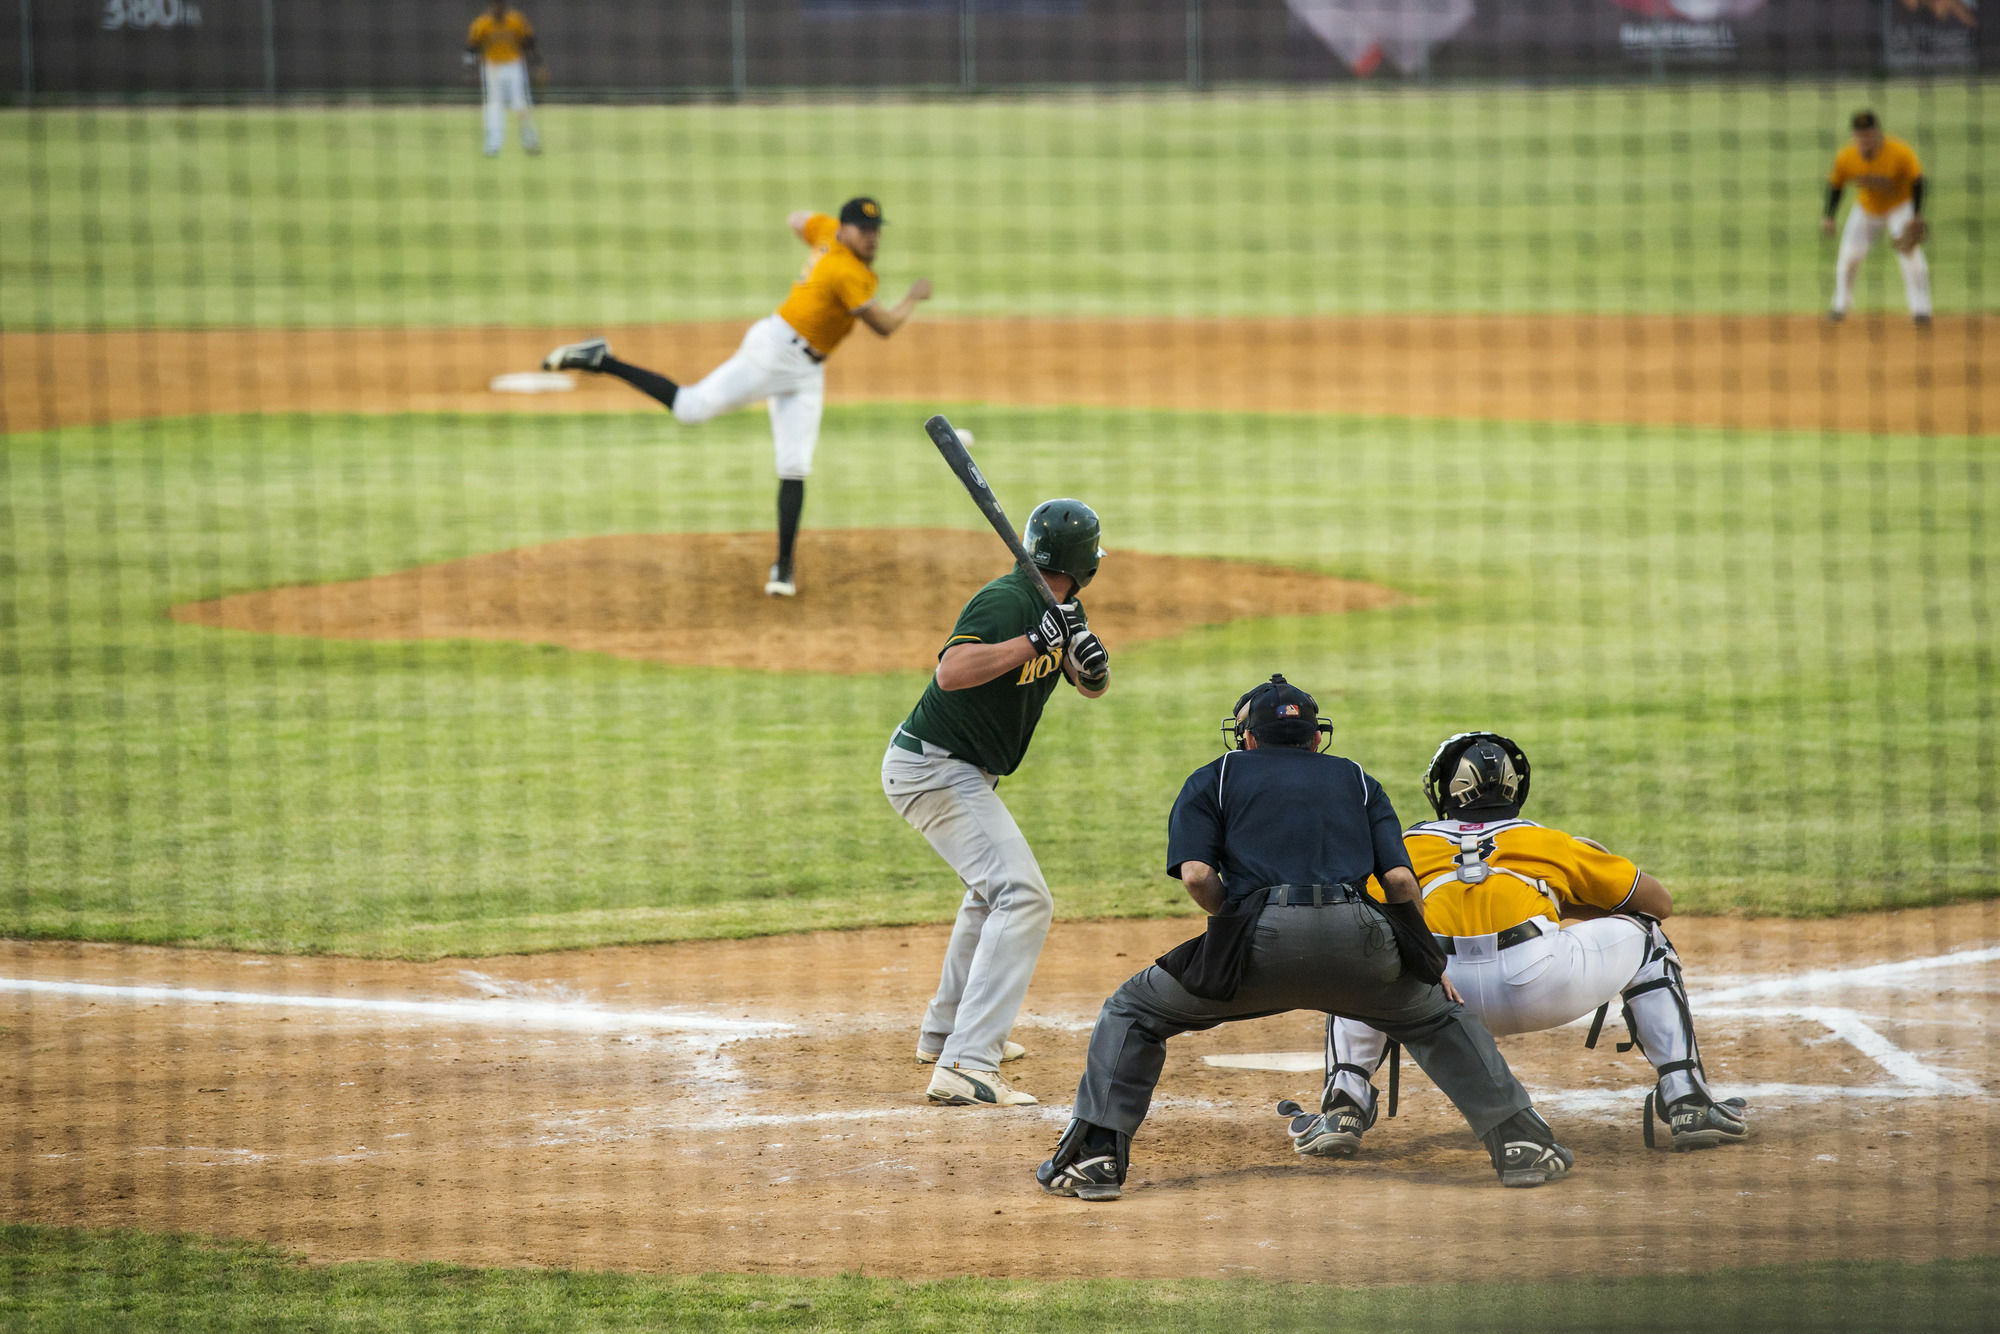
(1282,815)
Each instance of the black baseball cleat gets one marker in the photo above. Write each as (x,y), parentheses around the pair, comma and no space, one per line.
(1335,1133)
(1697,1123)
(1525,1163)
(1921,321)
(1094,1179)
(1525,1152)
(588,355)
(1835,316)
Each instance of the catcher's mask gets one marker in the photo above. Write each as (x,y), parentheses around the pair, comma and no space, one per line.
(1475,771)
(1277,713)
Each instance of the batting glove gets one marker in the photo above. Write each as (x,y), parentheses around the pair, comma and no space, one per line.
(1054,629)
(1093,664)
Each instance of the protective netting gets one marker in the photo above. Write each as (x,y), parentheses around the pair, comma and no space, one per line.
(1589,371)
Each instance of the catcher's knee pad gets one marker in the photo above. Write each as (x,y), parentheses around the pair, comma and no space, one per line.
(1661,1023)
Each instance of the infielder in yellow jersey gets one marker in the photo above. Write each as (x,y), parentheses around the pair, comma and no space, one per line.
(783,356)
(501,42)
(1541,928)
(1890,190)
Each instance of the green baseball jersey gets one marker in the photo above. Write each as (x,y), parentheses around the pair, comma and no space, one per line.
(990,724)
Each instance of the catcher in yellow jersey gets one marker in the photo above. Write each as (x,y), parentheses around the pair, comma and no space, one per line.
(1541,928)
(783,357)
(1890,188)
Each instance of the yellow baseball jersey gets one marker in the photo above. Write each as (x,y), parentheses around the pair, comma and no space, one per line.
(501,39)
(1530,871)
(1884,180)
(834,285)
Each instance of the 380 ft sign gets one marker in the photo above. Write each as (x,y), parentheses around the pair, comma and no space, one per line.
(150,14)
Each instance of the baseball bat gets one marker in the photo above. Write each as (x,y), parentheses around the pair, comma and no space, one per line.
(960,461)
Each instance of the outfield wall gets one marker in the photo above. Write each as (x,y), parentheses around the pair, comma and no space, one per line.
(250,48)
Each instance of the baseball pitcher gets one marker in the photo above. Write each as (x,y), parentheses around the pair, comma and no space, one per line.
(1890,199)
(501,42)
(1541,928)
(783,357)
(972,727)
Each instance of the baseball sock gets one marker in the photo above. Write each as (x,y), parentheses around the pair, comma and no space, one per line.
(1916,281)
(647,382)
(791,501)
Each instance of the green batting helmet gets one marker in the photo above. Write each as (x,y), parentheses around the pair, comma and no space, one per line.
(1062,539)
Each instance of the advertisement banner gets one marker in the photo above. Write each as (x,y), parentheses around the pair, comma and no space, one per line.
(1930,36)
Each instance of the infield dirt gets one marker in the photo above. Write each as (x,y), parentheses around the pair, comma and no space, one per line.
(679,598)
(755,1105)
(1874,373)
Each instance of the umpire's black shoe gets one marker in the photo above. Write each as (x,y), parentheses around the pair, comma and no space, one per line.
(1697,1123)
(1524,1163)
(1525,1152)
(1095,1178)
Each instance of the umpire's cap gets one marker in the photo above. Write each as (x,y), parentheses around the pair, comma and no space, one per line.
(1280,714)
(861,211)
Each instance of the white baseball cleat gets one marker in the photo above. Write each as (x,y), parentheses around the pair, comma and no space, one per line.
(1009,1051)
(780,583)
(585,356)
(955,1086)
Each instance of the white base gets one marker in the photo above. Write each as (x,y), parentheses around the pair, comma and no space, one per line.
(532,382)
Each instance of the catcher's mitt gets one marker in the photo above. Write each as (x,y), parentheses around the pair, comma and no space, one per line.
(1912,237)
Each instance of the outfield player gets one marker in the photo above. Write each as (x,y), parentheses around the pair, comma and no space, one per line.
(783,357)
(1542,928)
(501,42)
(1890,198)
(972,726)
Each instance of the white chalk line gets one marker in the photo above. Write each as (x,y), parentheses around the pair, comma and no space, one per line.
(498,1012)
(511,1004)
(1869,975)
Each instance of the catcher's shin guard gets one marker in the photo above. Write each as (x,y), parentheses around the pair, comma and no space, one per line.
(1354,1054)
(1662,1025)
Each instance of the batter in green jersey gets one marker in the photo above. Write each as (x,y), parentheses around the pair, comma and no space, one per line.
(1005,656)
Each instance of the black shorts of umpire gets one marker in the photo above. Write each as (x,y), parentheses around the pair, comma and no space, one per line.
(1340,958)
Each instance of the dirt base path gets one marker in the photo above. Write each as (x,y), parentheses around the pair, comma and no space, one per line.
(1874,374)
(755,1106)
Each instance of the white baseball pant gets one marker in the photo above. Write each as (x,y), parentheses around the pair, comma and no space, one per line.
(506,89)
(771,363)
(1858,237)
(1004,917)
(1546,983)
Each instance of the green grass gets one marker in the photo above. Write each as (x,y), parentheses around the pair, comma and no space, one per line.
(1651,199)
(1761,665)
(62,1279)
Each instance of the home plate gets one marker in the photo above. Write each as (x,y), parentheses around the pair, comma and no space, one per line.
(1291,1062)
(532,382)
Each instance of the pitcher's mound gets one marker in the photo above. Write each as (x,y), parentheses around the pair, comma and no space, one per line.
(870,599)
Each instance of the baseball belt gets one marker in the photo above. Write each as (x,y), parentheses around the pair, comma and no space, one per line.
(1512,936)
(1314,896)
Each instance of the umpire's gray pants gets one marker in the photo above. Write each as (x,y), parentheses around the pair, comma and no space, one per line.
(1341,959)
(1003,918)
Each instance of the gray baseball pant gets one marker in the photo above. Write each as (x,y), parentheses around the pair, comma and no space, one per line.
(1005,914)
(1340,958)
